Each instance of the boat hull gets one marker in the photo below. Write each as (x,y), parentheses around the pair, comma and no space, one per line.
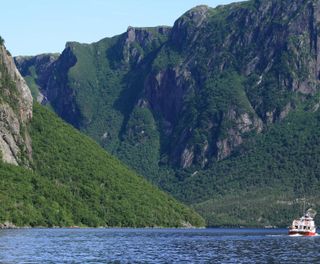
(301,233)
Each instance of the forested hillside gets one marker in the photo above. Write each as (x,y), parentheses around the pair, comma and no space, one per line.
(203,109)
(52,175)
(74,182)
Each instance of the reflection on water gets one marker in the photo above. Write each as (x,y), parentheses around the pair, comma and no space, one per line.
(156,246)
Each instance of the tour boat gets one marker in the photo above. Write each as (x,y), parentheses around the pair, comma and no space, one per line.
(304,226)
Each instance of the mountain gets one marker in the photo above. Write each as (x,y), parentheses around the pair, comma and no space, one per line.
(51,175)
(217,110)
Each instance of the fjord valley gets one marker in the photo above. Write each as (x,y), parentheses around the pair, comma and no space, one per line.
(221,110)
(51,175)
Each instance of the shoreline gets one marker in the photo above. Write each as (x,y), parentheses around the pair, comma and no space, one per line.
(155,228)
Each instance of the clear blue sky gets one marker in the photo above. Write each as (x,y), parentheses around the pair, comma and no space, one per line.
(31,27)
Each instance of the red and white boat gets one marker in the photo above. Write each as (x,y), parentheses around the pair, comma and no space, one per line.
(304,226)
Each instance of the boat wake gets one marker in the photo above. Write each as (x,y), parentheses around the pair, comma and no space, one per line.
(299,235)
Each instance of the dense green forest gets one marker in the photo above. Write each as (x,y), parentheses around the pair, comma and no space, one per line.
(74,182)
(220,110)
(265,181)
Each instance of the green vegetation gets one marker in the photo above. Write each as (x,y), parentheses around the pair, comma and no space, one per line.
(259,208)
(221,76)
(219,94)
(97,91)
(107,92)
(166,58)
(1,41)
(31,82)
(75,182)
(259,185)
(140,147)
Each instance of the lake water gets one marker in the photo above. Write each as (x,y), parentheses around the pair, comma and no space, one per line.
(156,246)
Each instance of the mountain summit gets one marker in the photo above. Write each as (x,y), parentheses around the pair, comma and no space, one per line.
(51,175)
(179,103)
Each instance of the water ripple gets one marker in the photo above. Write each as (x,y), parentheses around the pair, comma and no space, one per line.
(156,246)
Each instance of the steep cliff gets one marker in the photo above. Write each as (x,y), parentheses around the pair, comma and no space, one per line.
(217,76)
(36,71)
(237,68)
(63,178)
(177,104)
(15,113)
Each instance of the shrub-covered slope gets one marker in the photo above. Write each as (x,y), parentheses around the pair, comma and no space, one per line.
(264,183)
(179,104)
(75,182)
(63,178)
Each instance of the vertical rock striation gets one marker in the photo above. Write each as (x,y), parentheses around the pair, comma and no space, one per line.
(218,77)
(15,113)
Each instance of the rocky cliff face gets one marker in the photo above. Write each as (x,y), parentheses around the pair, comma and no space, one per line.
(137,42)
(221,110)
(15,113)
(268,49)
(39,68)
(216,79)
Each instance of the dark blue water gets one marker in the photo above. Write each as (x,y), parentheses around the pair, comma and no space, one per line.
(156,246)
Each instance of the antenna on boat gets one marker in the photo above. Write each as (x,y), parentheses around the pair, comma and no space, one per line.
(303,205)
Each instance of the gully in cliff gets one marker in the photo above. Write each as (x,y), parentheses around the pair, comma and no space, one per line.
(305,225)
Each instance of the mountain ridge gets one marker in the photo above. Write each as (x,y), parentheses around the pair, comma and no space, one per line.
(67,179)
(215,82)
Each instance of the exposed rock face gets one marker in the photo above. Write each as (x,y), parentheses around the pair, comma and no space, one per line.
(217,77)
(58,91)
(39,67)
(144,37)
(15,113)
(186,28)
(279,60)
(242,124)
(165,90)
